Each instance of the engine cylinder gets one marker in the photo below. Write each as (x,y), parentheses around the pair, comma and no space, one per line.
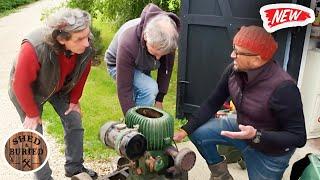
(155,124)
(127,142)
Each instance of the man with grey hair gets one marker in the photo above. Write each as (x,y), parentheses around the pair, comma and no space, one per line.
(140,46)
(53,65)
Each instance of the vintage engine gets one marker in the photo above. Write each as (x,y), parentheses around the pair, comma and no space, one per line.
(145,145)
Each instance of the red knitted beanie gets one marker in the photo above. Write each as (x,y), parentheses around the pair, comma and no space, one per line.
(257,40)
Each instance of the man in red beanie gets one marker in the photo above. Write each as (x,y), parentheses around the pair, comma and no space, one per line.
(270,122)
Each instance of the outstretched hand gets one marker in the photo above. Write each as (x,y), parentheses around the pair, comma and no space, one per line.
(246,132)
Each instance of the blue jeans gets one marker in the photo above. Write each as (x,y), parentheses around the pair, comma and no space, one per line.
(260,166)
(145,89)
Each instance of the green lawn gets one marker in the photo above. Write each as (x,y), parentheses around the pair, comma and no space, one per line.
(100,104)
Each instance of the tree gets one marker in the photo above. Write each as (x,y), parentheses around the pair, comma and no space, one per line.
(120,11)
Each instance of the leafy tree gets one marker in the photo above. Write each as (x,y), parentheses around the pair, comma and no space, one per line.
(119,11)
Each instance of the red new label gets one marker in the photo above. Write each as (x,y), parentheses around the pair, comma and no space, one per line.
(283,15)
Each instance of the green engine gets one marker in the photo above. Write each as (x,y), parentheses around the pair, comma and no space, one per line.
(145,145)
(154,124)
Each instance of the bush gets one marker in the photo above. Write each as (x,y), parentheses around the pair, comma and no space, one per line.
(120,11)
(6,5)
(87,5)
(98,46)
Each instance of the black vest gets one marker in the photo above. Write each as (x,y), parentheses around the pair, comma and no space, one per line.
(252,99)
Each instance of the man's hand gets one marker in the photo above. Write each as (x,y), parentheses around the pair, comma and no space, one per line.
(247,132)
(31,123)
(180,135)
(73,107)
(158,105)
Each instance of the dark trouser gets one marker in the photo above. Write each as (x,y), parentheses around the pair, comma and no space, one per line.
(73,136)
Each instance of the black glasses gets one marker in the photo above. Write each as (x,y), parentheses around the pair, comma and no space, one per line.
(242,53)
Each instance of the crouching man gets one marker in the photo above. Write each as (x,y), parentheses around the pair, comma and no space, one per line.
(270,122)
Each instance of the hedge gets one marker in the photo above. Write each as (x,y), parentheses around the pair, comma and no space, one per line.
(6,5)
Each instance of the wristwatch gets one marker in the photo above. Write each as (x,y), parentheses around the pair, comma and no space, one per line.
(257,138)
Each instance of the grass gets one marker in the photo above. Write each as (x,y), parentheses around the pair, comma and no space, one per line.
(99,104)
(7,12)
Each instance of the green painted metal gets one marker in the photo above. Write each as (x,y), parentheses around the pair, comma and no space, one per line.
(312,171)
(162,160)
(161,163)
(155,124)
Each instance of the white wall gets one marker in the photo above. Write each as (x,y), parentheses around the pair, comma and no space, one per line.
(310,92)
